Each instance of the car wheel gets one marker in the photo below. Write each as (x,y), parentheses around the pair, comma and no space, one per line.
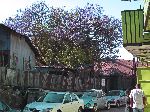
(80,109)
(118,104)
(59,110)
(95,108)
(108,106)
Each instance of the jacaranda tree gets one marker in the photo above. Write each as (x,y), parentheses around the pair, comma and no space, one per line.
(69,37)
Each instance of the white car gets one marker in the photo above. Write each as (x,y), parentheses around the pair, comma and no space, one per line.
(56,102)
(116,97)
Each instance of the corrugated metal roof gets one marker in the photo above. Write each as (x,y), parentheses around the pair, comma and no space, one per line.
(25,37)
(120,65)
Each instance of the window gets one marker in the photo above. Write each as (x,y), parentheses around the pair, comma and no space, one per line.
(74,97)
(122,93)
(67,98)
(52,98)
(99,94)
(3,107)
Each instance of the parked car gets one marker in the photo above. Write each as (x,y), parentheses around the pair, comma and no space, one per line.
(116,97)
(94,100)
(56,102)
(5,108)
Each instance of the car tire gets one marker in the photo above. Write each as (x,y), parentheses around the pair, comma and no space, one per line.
(118,104)
(59,110)
(95,109)
(108,106)
(80,109)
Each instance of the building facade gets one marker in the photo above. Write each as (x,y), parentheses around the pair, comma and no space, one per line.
(16,50)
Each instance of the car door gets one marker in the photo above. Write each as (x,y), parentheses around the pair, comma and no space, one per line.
(122,98)
(100,100)
(67,104)
(75,102)
(104,100)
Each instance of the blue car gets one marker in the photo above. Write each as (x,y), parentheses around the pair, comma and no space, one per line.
(5,108)
(116,97)
(95,100)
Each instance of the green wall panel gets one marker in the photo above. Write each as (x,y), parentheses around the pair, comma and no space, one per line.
(133,30)
(124,28)
(137,25)
(132,26)
(143,77)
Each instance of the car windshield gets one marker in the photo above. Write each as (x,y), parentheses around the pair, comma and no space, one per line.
(113,93)
(51,98)
(33,96)
(87,94)
(79,95)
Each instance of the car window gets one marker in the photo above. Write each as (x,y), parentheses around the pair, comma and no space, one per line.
(3,106)
(74,97)
(79,95)
(113,93)
(99,94)
(122,94)
(67,98)
(89,94)
(34,96)
(103,93)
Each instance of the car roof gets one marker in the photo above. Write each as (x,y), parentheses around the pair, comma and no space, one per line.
(94,90)
(58,92)
(117,90)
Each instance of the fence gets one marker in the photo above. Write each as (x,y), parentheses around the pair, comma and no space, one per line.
(62,82)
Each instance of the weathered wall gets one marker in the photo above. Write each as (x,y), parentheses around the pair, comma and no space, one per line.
(21,54)
(72,82)
(2,75)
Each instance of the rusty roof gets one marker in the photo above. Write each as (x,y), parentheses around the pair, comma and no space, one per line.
(119,65)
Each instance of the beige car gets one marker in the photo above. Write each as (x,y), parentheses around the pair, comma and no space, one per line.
(56,102)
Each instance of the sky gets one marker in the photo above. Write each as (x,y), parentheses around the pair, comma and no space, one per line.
(8,8)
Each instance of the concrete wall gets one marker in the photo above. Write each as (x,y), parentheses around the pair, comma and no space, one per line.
(20,53)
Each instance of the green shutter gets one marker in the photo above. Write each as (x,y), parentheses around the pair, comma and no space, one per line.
(132,26)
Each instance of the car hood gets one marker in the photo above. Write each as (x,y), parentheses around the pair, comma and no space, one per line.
(112,97)
(42,105)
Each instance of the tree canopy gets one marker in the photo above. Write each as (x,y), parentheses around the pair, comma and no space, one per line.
(69,37)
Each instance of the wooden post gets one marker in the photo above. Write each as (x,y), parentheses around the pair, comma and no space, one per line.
(134,72)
